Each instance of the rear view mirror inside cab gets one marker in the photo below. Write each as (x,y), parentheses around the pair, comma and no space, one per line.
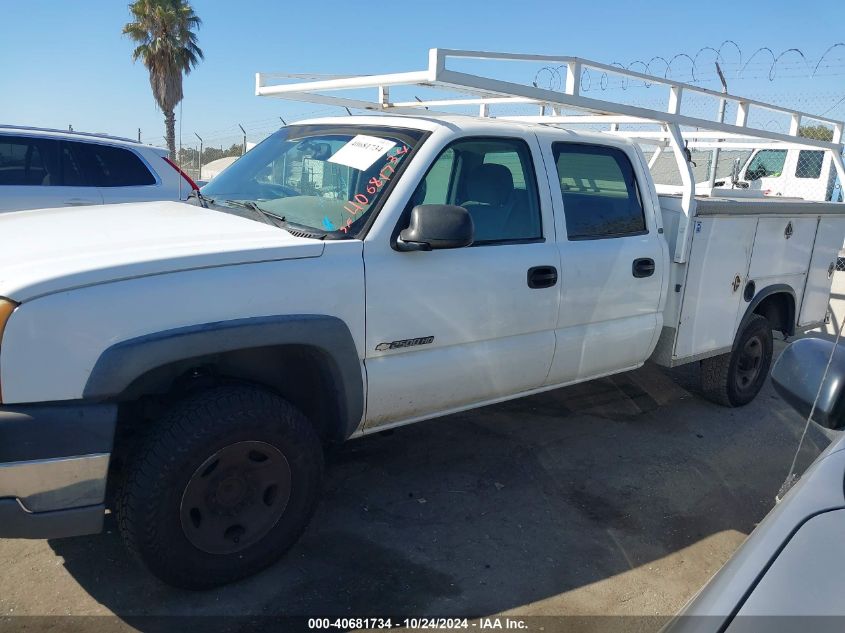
(798,373)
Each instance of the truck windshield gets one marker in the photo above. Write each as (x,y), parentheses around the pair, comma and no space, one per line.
(767,163)
(324,177)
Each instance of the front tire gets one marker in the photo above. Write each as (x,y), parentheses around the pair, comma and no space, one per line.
(223,485)
(734,379)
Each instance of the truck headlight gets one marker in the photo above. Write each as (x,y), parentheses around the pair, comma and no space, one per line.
(6,309)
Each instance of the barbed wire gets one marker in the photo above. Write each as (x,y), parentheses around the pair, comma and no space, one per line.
(834,106)
(556,78)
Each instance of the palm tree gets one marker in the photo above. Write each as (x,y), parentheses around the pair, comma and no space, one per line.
(167,45)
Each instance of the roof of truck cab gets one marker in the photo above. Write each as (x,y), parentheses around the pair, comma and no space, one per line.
(462,122)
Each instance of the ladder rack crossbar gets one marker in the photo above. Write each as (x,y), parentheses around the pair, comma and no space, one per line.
(484,91)
(610,69)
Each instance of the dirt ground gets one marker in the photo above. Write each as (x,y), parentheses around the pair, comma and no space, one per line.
(617,497)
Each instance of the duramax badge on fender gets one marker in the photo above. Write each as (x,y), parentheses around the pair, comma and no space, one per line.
(408,342)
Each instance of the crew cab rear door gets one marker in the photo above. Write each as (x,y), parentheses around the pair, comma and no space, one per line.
(613,258)
(447,329)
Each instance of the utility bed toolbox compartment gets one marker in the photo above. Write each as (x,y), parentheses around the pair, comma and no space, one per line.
(740,250)
(718,263)
(816,300)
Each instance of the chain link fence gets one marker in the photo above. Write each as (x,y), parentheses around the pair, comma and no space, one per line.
(219,148)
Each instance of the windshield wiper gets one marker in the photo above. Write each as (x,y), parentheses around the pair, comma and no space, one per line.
(278,220)
(249,204)
(204,202)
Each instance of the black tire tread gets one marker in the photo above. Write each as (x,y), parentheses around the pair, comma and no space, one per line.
(173,439)
(715,371)
(714,379)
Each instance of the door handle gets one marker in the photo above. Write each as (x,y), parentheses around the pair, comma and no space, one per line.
(542,276)
(643,267)
(78,202)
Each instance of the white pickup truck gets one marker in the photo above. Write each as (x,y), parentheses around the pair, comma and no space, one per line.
(772,172)
(346,276)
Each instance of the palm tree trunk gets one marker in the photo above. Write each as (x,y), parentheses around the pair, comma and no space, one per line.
(170,131)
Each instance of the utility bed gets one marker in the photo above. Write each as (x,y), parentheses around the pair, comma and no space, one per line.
(740,247)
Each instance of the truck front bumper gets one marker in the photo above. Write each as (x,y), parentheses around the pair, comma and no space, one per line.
(54,461)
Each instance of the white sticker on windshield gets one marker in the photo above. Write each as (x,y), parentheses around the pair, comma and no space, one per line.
(361,152)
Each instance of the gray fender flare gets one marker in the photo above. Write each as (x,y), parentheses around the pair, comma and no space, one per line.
(123,363)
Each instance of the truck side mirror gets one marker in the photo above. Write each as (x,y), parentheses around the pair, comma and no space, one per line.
(798,373)
(735,172)
(436,226)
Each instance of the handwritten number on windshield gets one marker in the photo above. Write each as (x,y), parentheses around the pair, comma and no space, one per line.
(360,201)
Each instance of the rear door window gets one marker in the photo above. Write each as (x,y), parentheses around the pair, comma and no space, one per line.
(28,161)
(109,166)
(601,198)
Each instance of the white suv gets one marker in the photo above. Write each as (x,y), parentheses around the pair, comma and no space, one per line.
(50,168)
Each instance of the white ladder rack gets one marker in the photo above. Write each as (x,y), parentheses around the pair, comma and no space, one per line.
(484,91)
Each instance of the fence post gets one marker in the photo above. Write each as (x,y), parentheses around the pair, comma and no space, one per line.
(714,156)
(244,131)
(199,160)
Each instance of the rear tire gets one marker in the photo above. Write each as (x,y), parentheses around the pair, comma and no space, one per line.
(734,379)
(222,485)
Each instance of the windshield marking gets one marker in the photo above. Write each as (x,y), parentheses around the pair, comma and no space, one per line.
(360,201)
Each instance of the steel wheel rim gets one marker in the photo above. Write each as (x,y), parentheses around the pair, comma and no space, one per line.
(749,362)
(235,497)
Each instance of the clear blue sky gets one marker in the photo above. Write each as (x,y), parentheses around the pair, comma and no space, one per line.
(67,62)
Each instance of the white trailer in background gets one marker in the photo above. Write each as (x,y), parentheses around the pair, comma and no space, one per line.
(805,173)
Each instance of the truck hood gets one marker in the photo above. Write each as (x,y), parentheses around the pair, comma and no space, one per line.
(50,250)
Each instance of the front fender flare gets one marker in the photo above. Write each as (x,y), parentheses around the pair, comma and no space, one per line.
(123,363)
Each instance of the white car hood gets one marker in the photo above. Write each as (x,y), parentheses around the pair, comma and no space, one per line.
(50,250)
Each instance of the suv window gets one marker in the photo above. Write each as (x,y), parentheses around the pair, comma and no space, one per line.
(809,163)
(601,198)
(71,172)
(109,166)
(28,161)
(494,180)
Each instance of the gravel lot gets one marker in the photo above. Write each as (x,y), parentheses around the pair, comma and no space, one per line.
(617,497)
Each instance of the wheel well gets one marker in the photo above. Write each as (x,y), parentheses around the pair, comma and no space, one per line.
(779,309)
(304,375)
